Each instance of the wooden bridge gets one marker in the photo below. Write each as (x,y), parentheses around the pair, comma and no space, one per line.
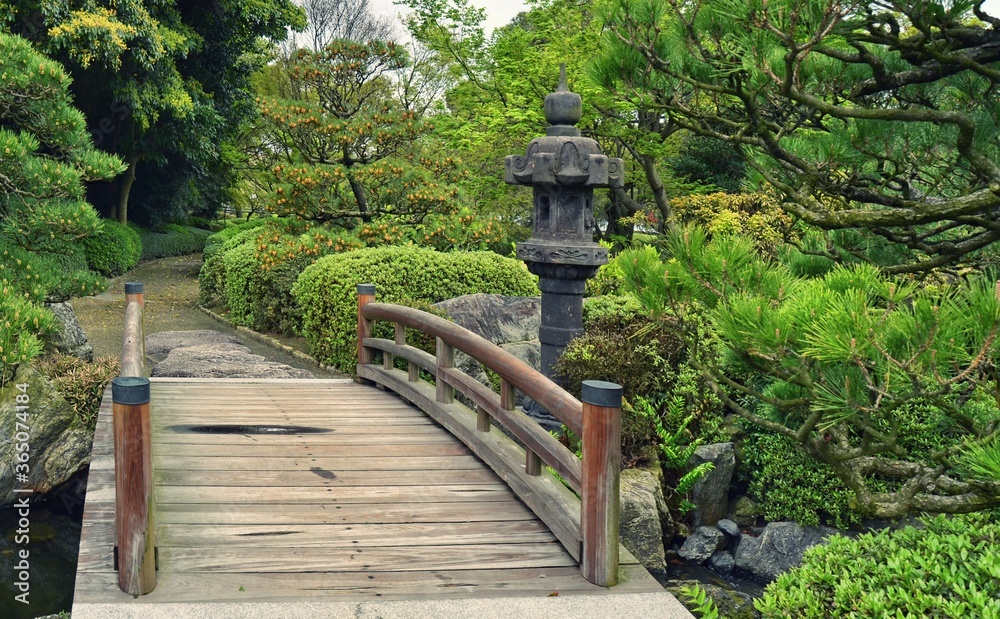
(247,492)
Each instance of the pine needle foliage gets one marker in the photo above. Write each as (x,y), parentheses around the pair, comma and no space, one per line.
(838,357)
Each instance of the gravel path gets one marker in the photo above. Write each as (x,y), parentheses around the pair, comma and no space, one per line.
(171,289)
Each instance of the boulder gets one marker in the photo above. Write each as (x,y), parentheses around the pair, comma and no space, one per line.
(159,345)
(639,518)
(702,544)
(730,528)
(69,338)
(777,549)
(59,442)
(509,322)
(722,562)
(732,604)
(224,360)
(745,512)
(710,494)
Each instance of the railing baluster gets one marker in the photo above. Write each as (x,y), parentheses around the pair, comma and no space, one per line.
(445,360)
(532,463)
(483,421)
(599,515)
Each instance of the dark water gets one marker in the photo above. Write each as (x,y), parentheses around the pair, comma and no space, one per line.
(54,542)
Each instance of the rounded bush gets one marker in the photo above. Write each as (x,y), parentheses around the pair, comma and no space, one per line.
(172,240)
(948,568)
(326,291)
(113,250)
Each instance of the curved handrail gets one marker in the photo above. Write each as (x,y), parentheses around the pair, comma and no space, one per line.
(533,383)
(586,525)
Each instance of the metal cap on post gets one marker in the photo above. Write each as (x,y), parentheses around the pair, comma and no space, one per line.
(130,390)
(366,289)
(602,393)
(599,517)
(133,288)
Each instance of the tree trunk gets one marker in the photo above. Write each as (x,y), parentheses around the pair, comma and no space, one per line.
(359,197)
(121,212)
(659,193)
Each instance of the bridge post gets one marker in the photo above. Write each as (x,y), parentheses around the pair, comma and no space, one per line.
(366,295)
(135,554)
(599,517)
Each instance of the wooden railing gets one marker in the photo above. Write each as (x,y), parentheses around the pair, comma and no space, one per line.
(135,553)
(586,526)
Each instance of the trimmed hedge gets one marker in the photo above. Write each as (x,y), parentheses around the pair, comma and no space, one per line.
(112,250)
(172,240)
(326,291)
(948,568)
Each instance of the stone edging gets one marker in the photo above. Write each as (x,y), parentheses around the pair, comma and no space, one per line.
(269,341)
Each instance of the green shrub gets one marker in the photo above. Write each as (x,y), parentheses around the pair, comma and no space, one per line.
(212,277)
(790,485)
(113,250)
(948,568)
(172,240)
(81,383)
(326,291)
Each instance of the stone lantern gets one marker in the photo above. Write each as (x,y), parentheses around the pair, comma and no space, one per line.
(563,167)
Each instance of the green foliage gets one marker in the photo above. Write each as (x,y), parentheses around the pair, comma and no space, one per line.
(949,567)
(835,361)
(163,84)
(675,445)
(699,602)
(326,291)
(46,156)
(754,215)
(80,383)
(870,119)
(789,485)
(172,240)
(113,249)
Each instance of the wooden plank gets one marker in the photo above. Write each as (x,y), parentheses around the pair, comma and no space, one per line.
(300,451)
(444,463)
(174,587)
(367,495)
(321,536)
(326,514)
(366,559)
(554,503)
(267,479)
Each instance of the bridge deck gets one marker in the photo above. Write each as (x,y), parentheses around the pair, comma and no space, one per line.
(382,504)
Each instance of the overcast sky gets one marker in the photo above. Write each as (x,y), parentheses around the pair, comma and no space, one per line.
(500,12)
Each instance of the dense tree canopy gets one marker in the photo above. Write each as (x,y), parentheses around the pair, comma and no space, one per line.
(879,116)
(163,85)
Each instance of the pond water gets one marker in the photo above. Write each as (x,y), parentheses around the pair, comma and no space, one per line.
(53,545)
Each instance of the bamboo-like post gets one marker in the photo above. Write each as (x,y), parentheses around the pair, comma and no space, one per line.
(602,429)
(133,485)
(366,295)
(134,294)
(133,352)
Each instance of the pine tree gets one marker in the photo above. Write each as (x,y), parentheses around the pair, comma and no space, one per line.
(47,154)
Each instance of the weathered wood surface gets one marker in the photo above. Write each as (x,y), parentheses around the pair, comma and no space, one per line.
(378,507)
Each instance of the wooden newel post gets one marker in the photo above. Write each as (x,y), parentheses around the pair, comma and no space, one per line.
(602,430)
(135,549)
(366,295)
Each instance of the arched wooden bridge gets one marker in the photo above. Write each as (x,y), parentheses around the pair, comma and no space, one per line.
(215,492)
